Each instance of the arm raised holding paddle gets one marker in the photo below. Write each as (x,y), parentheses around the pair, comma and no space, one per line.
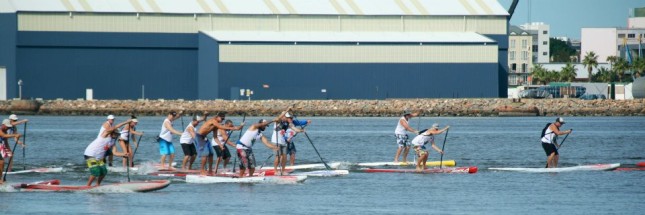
(422,139)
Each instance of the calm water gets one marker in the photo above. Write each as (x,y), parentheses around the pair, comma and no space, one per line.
(483,142)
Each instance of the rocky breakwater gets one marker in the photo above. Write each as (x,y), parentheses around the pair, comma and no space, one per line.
(390,107)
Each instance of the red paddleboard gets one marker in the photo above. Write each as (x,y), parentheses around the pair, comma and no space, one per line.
(184,173)
(641,164)
(54,186)
(472,169)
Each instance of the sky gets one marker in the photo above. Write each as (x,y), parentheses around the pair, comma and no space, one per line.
(567,17)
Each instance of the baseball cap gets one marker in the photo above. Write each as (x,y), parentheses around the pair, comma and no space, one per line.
(262,121)
(560,120)
(435,125)
(13,117)
(406,112)
(7,123)
(135,120)
(197,118)
(173,113)
(288,115)
(110,117)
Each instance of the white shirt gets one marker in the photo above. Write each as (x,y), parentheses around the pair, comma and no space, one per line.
(549,136)
(165,133)
(421,139)
(96,149)
(399,128)
(248,138)
(277,136)
(102,130)
(125,134)
(185,137)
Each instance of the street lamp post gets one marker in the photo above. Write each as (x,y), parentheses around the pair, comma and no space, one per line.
(20,89)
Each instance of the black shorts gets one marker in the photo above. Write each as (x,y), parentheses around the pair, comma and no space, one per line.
(291,148)
(189,149)
(549,148)
(108,152)
(225,154)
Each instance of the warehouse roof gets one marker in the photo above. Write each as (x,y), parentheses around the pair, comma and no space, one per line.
(308,7)
(349,37)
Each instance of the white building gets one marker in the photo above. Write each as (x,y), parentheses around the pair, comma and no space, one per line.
(540,33)
(607,42)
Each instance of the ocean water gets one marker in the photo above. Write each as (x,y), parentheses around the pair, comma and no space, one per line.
(59,141)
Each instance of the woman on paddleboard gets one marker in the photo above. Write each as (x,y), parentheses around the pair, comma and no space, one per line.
(421,140)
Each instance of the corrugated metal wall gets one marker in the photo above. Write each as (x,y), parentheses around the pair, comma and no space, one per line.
(8,51)
(189,23)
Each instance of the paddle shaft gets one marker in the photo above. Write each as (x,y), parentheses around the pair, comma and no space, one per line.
(136,148)
(4,178)
(565,138)
(442,147)
(24,141)
(312,144)
(265,161)
(127,160)
(235,159)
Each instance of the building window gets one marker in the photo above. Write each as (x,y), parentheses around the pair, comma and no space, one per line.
(525,55)
(544,42)
(513,44)
(513,67)
(523,68)
(621,35)
(545,32)
(631,35)
(512,55)
(545,53)
(535,48)
(524,43)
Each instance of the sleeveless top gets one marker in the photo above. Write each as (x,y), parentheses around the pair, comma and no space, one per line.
(399,128)
(101,130)
(421,139)
(549,136)
(277,135)
(185,136)
(165,133)
(125,134)
(247,139)
(221,138)
(96,149)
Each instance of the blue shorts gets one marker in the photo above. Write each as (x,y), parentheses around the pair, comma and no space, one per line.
(291,148)
(204,147)
(165,147)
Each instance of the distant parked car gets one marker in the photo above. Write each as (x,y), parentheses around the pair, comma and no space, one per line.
(592,96)
(534,94)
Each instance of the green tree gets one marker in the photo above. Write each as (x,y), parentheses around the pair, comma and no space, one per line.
(539,74)
(620,67)
(639,66)
(568,73)
(604,75)
(590,61)
(612,60)
(560,50)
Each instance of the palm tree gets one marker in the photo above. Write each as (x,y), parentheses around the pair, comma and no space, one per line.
(539,74)
(612,60)
(568,73)
(604,75)
(590,61)
(639,66)
(620,67)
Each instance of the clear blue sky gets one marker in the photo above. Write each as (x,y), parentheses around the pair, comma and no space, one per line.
(567,17)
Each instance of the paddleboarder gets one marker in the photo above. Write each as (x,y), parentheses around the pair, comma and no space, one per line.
(550,144)
(221,150)
(166,149)
(402,136)
(204,146)
(421,140)
(245,143)
(187,141)
(13,118)
(96,151)
(278,139)
(5,150)
(128,131)
(291,146)
(106,125)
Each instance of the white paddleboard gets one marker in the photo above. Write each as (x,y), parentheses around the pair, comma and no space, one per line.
(591,167)
(38,170)
(332,165)
(255,179)
(323,173)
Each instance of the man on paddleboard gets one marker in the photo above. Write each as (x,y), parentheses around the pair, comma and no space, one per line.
(187,142)
(291,146)
(278,139)
(245,144)
(95,152)
(204,146)
(421,140)
(550,144)
(166,149)
(221,150)
(5,150)
(402,136)
(106,125)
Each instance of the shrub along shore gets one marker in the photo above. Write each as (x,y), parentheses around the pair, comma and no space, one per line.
(351,108)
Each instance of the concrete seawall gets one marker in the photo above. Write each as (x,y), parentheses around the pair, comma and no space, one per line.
(393,107)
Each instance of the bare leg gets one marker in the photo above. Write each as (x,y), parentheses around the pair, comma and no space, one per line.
(89,181)
(275,164)
(217,163)
(184,162)
(192,160)
(405,154)
(226,162)
(210,164)
(163,161)
(1,169)
(172,158)
(556,158)
(251,170)
(398,152)
(98,182)
(202,169)
(292,158)
(549,160)
(284,162)
(242,173)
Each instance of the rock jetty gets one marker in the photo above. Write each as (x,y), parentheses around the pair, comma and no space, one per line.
(352,108)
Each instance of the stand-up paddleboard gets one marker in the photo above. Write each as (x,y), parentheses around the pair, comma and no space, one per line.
(184,173)
(54,186)
(255,179)
(38,170)
(591,167)
(332,165)
(471,169)
(640,166)
(153,167)
(428,163)
(323,173)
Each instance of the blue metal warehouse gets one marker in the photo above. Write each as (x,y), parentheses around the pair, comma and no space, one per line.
(279,49)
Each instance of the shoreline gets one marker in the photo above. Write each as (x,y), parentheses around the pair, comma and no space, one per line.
(343,108)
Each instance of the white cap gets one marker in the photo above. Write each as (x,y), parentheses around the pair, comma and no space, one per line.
(436,125)
(135,120)
(110,117)
(288,115)
(13,117)
(7,123)
(560,120)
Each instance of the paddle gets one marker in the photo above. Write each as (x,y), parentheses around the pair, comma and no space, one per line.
(127,160)
(444,145)
(265,161)
(229,136)
(24,141)
(565,138)
(312,144)
(4,178)
(135,148)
